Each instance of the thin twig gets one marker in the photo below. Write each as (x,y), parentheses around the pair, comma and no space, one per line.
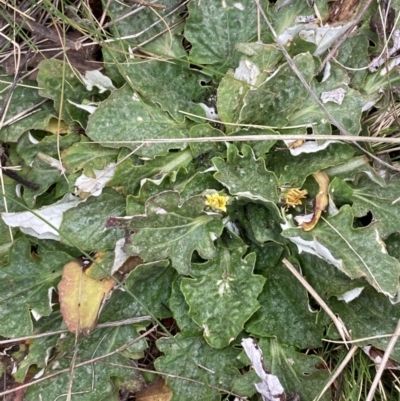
(358,340)
(86,187)
(294,68)
(16,9)
(384,360)
(7,100)
(131,320)
(3,190)
(338,323)
(78,365)
(344,37)
(27,112)
(146,4)
(242,138)
(40,30)
(338,371)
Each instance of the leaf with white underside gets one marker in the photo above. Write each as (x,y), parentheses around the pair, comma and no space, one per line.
(94,185)
(229,279)
(297,373)
(32,224)
(357,252)
(270,387)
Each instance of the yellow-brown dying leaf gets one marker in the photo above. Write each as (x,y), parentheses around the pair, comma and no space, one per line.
(321,200)
(81,297)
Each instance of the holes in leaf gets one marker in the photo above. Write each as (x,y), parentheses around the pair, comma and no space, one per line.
(195,67)
(196,258)
(363,221)
(186,45)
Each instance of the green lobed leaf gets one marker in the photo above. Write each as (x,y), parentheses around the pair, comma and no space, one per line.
(382,202)
(257,62)
(348,113)
(202,131)
(230,95)
(298,373)
(26,283)
(274,101)
(227,22)
(175,231)
(142,26)
(260,148)
(49,145)
(294,170)
(95,381)
(8,204)
(393,245)
(151,285)
(353,53)
(268,256)
(187,183)
(171,84)
(357,252)
(261,224)
(44,175)
(125,117)
(24,97)
(39,348)
(283,15)
(129,175)
(85,223)
(353,169)
(192,358)
(319,272)
(370,315)
(57,81)
(85,154)
(265,56)
(182,181)
(285,311)
(180,311)
(222,295)
(246,177)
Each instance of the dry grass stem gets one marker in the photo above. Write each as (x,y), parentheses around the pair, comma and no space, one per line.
(338,323)
(382,366)
(78,365)
(338,371)
(132,320)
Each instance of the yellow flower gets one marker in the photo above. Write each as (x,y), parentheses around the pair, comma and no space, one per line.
(217,201)
(292,196)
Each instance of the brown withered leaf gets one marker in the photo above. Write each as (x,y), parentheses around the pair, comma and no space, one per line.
(83,59)
(376,356)
(81,297)
(342,10)
(321,200)
(157,391)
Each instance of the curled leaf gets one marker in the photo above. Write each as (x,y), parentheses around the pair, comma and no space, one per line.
(321,200)
(270,387)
